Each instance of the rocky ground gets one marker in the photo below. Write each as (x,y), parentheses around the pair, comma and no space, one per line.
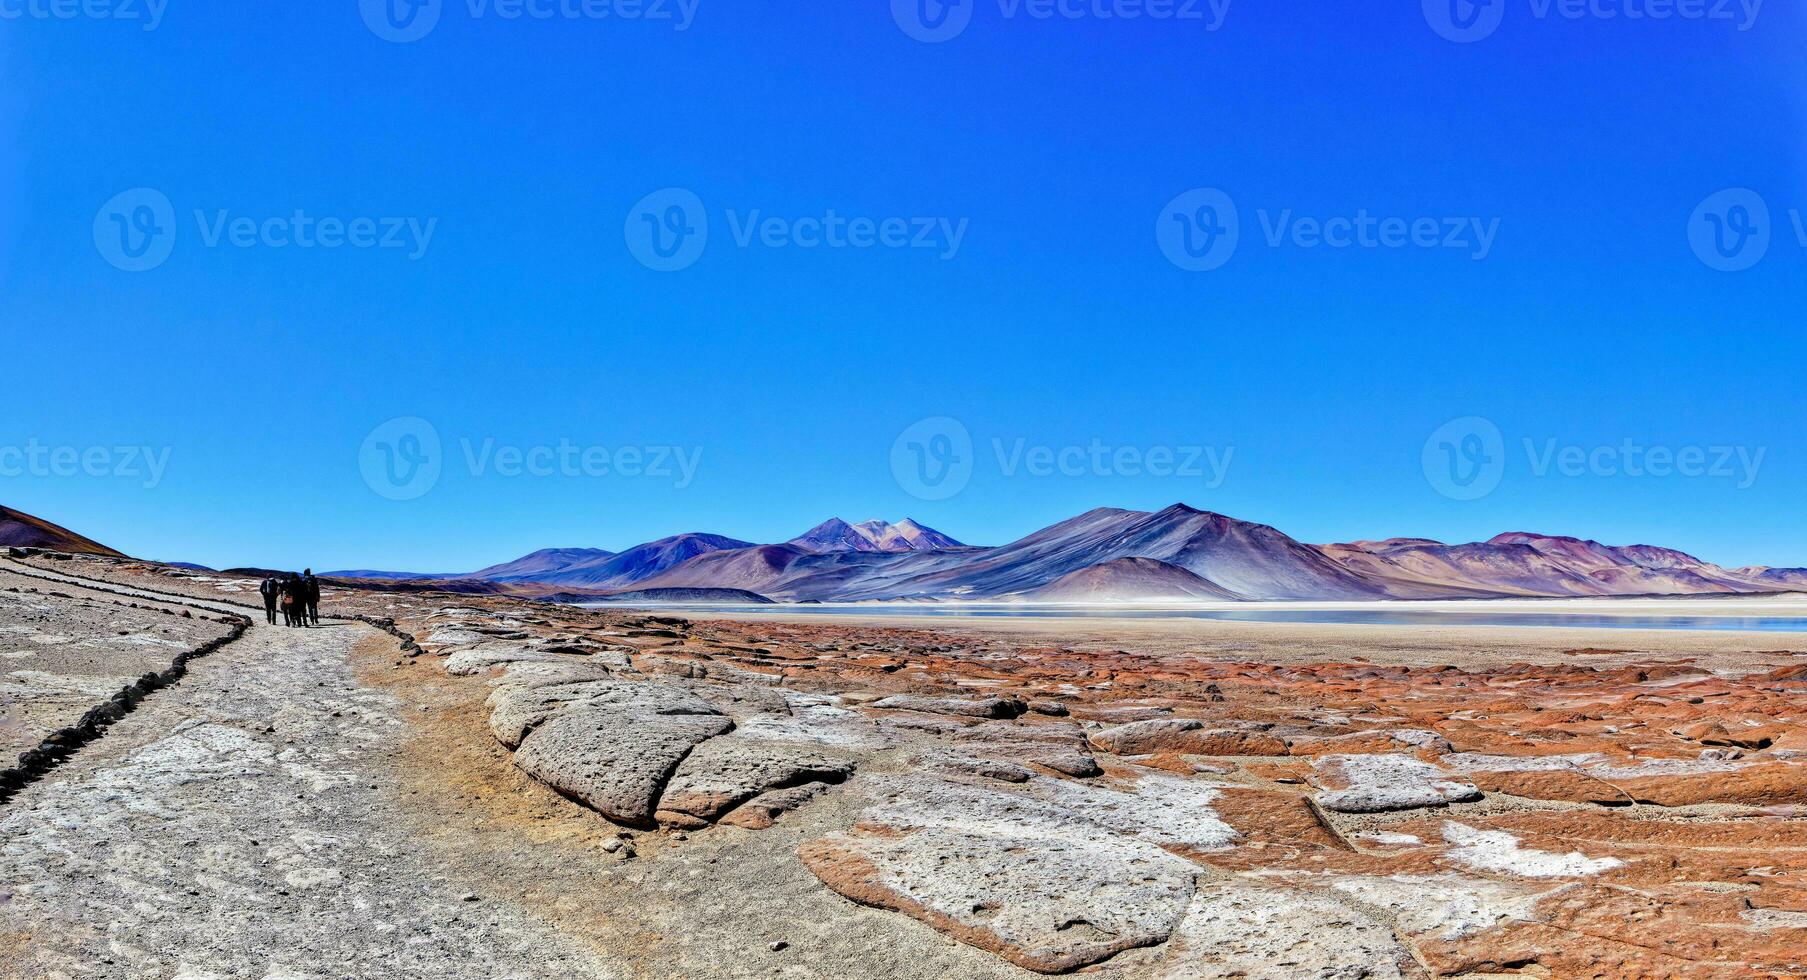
(61,654)
(555,791)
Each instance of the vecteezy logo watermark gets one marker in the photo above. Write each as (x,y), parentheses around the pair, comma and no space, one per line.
(406,21)
(34,459)
(935,21)
(1467,21)
(136,231)
(934,459)
(1730,231)
(400,21)
(1200,230)
(668,230)
(403,459)
(1464,21)
(1466,459)
(150,12)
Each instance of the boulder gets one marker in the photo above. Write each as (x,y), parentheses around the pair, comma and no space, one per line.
(615,756)
(722,773)
(1383,783)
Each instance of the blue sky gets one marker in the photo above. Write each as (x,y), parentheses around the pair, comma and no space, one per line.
(260,375)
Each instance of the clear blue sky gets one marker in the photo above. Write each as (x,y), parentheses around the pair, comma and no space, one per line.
(1056,142)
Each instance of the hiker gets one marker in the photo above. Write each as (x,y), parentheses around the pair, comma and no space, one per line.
(312,595)
(294,602)
(271,590)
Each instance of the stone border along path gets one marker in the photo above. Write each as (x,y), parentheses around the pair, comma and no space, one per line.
(101,585)
(252,824)
(61,745)
(409,645)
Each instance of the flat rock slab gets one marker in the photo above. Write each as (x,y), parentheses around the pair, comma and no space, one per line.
(1236,930)
(516,709)
(1057,745)
(1384,783)
(1187,736)
(485,656)
(1045,905)
(725,772)
(1594,778)
(615,759)
(1444,907)
(1052,877)
(969,708)
(1371,741)
(1498,852)
(763,811)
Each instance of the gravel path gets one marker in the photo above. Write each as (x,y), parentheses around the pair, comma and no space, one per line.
(247,823)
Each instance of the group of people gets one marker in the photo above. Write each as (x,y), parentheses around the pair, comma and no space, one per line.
(298,596)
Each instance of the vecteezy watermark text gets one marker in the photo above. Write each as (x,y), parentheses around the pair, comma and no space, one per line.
(406,21)
(1201,230)
(1468,21)
(935,21)
(302,230)
(35,459)
(149,12)
(668,230)
(568,459)
(1630,458)
(137,230)
(1467,459)
(934,459)
(403,459)
(940,235)
(1096,458)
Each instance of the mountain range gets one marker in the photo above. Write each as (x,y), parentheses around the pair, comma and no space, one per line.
(1113,555)
(1103,555)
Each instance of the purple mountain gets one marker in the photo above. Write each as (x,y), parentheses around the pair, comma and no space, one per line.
(835,534)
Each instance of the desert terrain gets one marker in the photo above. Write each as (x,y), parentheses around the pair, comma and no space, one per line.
(441,785)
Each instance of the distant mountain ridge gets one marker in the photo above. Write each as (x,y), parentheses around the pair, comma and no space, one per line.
(906,535)
(544,561)
(21,530)
(1115,555)
(1524,564)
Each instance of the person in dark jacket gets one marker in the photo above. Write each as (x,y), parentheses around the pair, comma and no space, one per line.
(294,601)
(271,590)
(311,593)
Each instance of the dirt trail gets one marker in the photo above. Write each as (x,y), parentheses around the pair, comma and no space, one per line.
(249,823)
